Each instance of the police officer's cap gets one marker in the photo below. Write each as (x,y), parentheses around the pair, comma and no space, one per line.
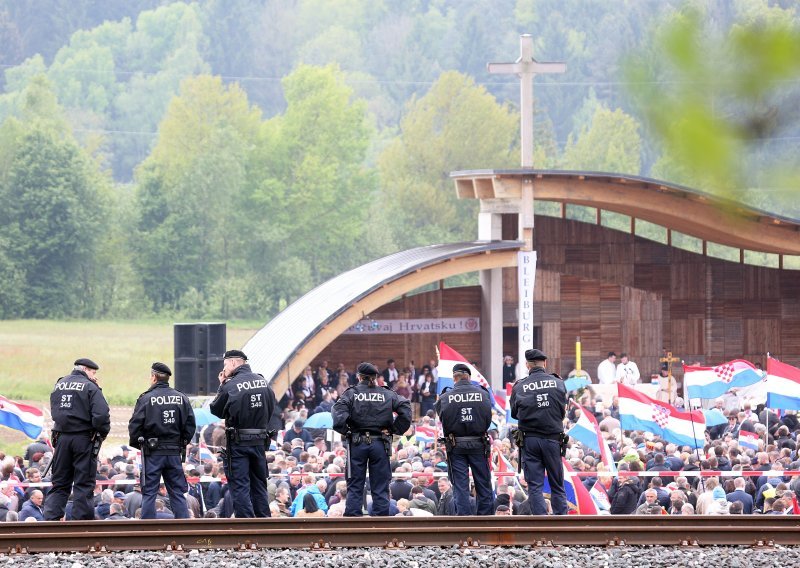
(461,368)
(234,354)
(535,355)
(367,369)
(88,363)
(161,369)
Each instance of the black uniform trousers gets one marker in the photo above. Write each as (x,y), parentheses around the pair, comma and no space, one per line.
(479,464)
(74,471)
(248,481)
(372,456)
(540,456)
(171,469)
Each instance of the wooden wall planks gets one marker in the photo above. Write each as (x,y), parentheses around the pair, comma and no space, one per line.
(617,292)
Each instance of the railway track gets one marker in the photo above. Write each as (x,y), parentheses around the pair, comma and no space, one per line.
(394,532)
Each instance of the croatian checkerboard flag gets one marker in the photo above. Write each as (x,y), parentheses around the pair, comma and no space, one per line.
(783,385)
(637,411)
(26,419)
(748,440)
(712,382)
(448,357)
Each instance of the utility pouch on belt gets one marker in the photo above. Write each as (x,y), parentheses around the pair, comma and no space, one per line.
(251,434)
(564,442)
(97,441)
(519,439)
(387,444)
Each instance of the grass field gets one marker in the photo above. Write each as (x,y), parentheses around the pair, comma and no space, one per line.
(35,353)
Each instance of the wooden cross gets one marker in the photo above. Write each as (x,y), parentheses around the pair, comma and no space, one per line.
(669,360)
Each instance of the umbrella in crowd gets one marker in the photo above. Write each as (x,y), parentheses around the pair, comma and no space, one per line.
(319,420)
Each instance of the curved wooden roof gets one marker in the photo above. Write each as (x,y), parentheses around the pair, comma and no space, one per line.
(675,207)
(287,344)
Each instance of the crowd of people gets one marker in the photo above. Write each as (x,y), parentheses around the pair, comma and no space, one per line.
(307,467)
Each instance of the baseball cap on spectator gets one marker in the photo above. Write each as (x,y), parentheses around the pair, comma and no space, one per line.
(119,495)
(718,493)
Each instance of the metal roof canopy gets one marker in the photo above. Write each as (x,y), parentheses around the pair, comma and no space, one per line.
(283,347)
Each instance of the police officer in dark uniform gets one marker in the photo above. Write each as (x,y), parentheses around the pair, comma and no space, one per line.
(162,424)
(466,414)
(538,402)
(364,414)
(81,422)
(246,402)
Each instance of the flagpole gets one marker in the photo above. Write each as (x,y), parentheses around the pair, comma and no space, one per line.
(697,450)
(766,411)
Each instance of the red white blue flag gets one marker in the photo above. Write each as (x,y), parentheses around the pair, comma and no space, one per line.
(712,382)
(448,357)
(783,385)
(26,419)
(637,411)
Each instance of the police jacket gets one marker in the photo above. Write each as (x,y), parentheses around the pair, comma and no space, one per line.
(162,413)
(77,405)
(465,411)
(365,408)
(539,403)
(245,401)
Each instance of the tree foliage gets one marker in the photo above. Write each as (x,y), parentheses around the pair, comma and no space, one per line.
(457,125)
(310,201)
(190,191)
(235,154)
(610,144)
(49,222)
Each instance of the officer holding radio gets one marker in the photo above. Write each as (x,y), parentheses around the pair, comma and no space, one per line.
(246,402)
(539,402)
(162,424)
(466,414)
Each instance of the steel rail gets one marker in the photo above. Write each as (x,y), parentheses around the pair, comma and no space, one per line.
(323,533)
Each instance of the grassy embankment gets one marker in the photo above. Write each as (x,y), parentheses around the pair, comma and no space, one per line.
(34,353)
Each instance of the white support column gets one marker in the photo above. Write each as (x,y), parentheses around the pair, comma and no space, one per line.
(490,229)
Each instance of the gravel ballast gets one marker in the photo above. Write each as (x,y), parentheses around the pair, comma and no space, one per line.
(428,557)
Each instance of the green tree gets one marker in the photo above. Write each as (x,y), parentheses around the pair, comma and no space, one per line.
(723,99)
(456,125)
(190,192)
(610,144)
(310,201)
(48,223)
